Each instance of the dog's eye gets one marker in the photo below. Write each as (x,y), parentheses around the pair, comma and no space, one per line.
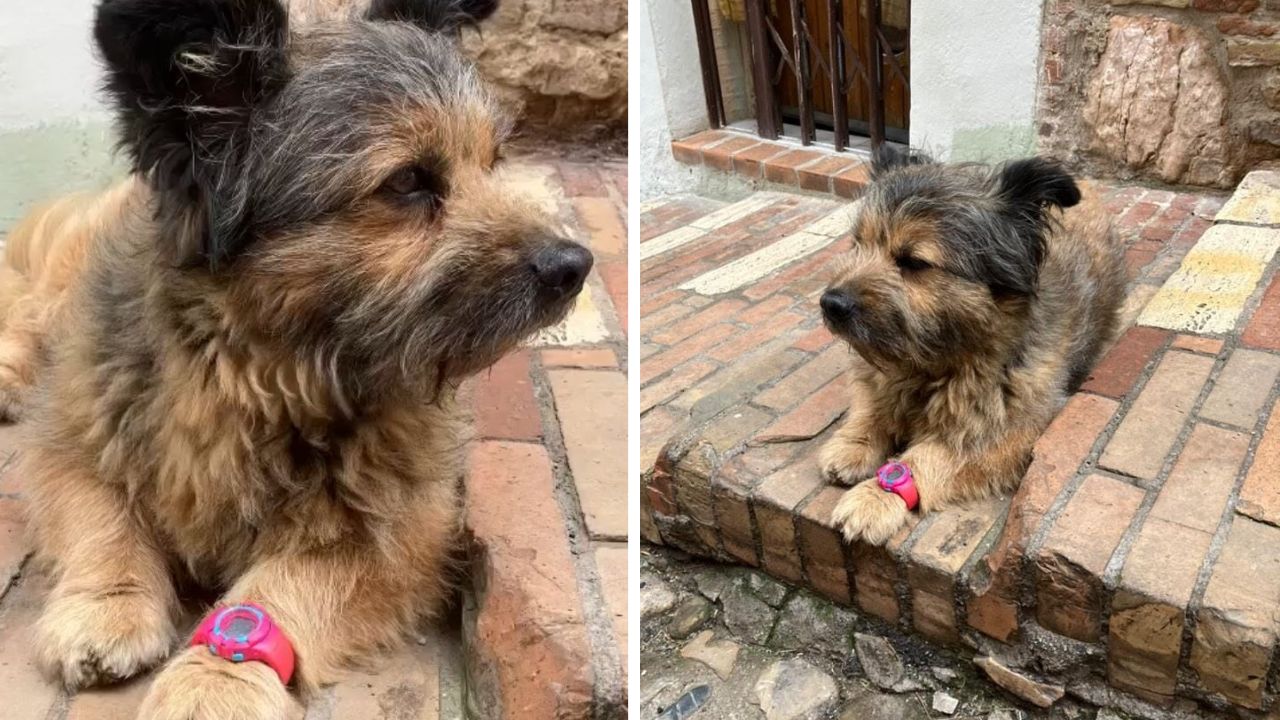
(415,182)
(911,264)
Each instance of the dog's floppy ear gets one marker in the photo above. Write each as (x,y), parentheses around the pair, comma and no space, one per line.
(1027,189)
(887,158)
(440,15)
(185,76)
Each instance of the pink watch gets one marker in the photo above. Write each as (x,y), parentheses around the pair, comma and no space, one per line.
(243,633)
(896,478)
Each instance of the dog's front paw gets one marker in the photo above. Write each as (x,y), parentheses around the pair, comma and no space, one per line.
(870,513)
(12,396)
(103,636)
(198,685)
(847,461)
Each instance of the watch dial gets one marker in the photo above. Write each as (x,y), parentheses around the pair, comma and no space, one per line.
(240,627)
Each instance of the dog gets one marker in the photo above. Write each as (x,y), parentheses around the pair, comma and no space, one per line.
(976,299)
(237,370)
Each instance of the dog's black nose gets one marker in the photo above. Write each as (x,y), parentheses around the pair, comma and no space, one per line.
(562,266)
(838,305)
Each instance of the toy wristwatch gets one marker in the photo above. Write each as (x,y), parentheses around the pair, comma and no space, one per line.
(896,478)
(245,633)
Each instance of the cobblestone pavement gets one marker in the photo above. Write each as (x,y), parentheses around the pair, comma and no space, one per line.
(1144,536)
(552,433)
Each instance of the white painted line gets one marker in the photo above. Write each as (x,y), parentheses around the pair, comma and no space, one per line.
(670,241)
(695,230)
(837,223)
(584,324)
(750,268)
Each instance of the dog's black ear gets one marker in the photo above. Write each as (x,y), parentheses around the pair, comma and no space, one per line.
(185,76)
(440,15)
(887,157)
(1035,182)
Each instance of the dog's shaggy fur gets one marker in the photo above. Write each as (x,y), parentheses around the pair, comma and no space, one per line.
(977,299)
(237,369)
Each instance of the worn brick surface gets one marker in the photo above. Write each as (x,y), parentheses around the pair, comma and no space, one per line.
(821,546)
(1196,491)
(936,558)
(1263,330)
(1196,343)
(1242,388)
(1118,370)
(1260,494)
(504,404)
(407,684)
(118,702)
(596,443)
(1069,566)
(26,694)
(611,564)
(1149,430)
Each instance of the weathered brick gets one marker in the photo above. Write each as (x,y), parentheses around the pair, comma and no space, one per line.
(1252,52)
(775,501)
(850,183)
(720,155)
(1260,494)
(405,685)
(810,417)
(689,150)
(1147,610)
(1115,375)
(822,547)
(1234,6)
(805,379)
(713,395)
(505,408)
(596,443)
(116,702)
(606,231)
(815,340)
(14,546)
(1235,633)
(1152,424)
(782,168)
(529,635)
(611,566)
(1263,330)
(656,428)
(817,176)
(614,275)
(1057,458)
(703,319)
(731,494)
(1196,492)
(1242,388)
(1242,25)
(587,358)
(936,558)
(1069,566)
(27,693)
(746,341)
(680,378)
(1195,343)
(734,428)
(666,360)
(750,162)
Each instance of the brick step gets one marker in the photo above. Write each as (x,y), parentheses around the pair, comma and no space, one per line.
(814,168)
(1149,501)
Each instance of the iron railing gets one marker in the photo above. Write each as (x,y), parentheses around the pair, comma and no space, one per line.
(839,62)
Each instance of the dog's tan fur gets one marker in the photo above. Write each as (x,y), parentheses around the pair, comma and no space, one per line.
(964,420)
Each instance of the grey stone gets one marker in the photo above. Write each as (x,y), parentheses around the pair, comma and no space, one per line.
(1033,691)
(711,581)
(1007,714)
(656,597)
(944,675)
(880,662)
(945,703)
(719,655)
(877,706)
(689,616)
(810,622)
(767,589)
(795,690)
(747,616)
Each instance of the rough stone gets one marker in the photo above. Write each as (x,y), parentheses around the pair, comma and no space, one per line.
(795,690)
(1007,715)
(1158,102)
(1033,691)
(877,706)
(719,655)
(945,703)
(689,616)
(807,621)
(656,597)
(944,674)
(880,662)
(747,616)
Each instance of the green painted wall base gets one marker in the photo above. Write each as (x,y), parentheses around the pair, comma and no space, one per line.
(41,163)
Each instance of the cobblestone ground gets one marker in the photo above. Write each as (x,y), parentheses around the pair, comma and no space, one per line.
(1143,543)
(541,631)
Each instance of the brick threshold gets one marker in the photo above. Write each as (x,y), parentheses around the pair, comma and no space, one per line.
(812,168)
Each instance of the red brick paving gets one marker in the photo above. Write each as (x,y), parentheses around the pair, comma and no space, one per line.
(1109,540)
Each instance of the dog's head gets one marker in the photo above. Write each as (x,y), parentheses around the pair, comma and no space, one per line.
(945,258)
(336,184)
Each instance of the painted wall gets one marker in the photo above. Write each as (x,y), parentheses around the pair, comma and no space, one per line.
(973,77)
(55,133)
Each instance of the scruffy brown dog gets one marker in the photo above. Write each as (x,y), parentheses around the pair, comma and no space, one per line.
(977,302)
(248,352)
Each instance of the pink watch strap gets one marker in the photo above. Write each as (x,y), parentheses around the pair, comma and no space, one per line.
(896,478)
(246,633)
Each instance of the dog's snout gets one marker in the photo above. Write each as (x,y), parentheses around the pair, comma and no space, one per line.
(838,305)
(562,266)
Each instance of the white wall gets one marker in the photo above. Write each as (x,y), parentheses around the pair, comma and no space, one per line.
(974,69)
(48,72)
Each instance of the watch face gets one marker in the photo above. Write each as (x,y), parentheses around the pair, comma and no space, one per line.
(240,625)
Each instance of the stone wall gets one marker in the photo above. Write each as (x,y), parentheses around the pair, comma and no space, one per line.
(1184,92)
(562,64)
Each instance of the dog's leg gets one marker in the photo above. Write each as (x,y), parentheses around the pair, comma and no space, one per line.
(21,329)
(942,476)
(860,445)
(335,608)
(111,612)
